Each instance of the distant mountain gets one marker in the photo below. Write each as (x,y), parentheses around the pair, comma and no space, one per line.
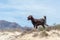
(5,25)
(9,25)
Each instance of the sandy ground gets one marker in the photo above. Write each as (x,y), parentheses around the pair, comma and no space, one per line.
(43,35)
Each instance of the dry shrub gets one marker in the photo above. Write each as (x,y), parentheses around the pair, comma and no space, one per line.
(56,33)
(49,28)
(40,29)
(44,34)
(55,27)
(23,33)
(35,35)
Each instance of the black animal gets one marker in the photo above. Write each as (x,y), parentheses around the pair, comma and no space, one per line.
(37,22)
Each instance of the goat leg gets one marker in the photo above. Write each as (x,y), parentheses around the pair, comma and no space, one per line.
(46,25)
(43,26)
(36,27)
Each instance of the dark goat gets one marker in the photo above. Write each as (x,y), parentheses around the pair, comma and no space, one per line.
(37,22)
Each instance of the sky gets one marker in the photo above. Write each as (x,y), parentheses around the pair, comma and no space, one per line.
(18,11)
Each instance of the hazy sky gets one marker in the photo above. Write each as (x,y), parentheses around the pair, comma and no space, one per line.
(18,10)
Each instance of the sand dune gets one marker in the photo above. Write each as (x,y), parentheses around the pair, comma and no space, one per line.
(43,35)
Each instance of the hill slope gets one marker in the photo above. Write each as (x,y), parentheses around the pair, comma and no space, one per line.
(43,35)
